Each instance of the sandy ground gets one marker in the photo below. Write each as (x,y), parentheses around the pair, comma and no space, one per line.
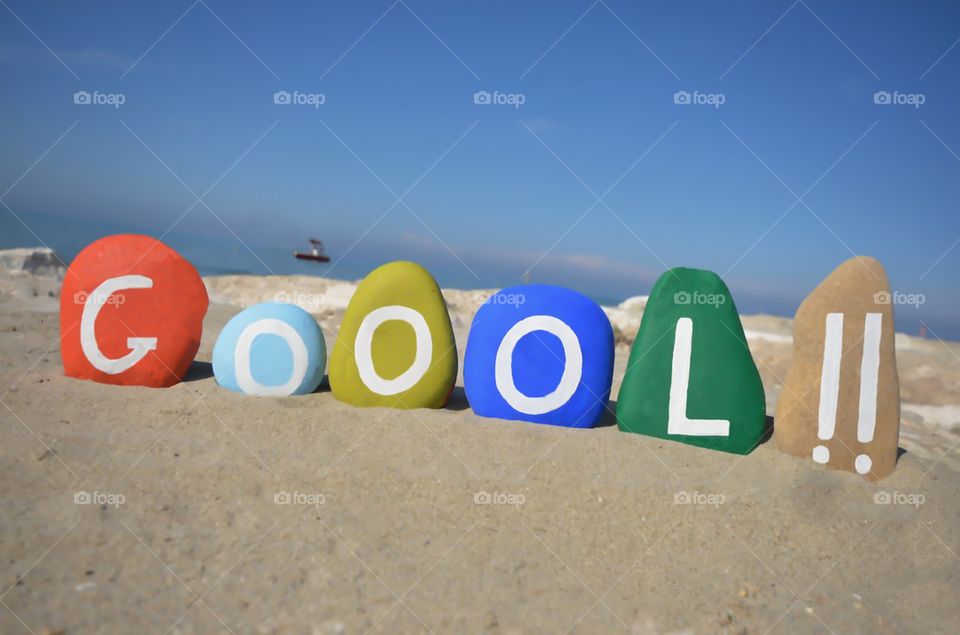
(588,531)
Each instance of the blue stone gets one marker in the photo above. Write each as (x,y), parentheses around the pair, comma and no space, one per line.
(542,354)
(270,349)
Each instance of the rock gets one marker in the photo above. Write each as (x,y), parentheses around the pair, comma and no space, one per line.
(395,347)
(690,377)
(270,349)
(312,294)
(541,354)
(38,261)
(131,313)
(840,403)
(625,318)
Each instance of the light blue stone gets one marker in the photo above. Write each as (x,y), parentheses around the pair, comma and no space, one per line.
(542,354)
(270,349)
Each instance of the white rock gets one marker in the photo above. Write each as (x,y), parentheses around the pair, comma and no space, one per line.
(776,338)
(310,293)
(38,261)
(634,305)
(625,318)
(947,417)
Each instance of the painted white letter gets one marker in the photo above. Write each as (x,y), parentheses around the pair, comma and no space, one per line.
(677,422)
(572,367)
(139,346)
(363,350)
(241,358)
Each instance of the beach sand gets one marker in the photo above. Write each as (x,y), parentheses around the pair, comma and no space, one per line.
(587,531)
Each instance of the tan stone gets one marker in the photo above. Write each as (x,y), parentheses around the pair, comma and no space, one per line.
(857,290)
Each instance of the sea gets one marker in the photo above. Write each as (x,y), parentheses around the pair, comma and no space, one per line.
(224,254)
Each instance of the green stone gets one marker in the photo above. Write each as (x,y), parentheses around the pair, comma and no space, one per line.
(379,358)
(691,329)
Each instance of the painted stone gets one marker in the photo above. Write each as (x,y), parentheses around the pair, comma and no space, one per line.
(395,347)
(542,354)
(691,377)
(840,403)
(270,349)
(131,313)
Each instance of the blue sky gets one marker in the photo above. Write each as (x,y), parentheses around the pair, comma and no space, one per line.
(490,191)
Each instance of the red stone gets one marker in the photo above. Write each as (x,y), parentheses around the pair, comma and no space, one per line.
(161,304)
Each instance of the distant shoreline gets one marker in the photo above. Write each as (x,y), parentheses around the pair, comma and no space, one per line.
(215,256)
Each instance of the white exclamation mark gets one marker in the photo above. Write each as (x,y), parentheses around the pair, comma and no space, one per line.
(829,385)
(869,377)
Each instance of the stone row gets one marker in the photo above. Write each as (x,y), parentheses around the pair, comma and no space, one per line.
(132,314)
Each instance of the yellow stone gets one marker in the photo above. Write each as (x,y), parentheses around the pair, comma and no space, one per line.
(395,347)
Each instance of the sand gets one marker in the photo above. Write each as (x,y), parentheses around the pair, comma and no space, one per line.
(216,512)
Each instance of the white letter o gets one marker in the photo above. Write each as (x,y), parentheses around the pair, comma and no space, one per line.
(241,357)
(363,350)
(572,367)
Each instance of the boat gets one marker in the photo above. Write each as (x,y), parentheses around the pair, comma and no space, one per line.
(315,254)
